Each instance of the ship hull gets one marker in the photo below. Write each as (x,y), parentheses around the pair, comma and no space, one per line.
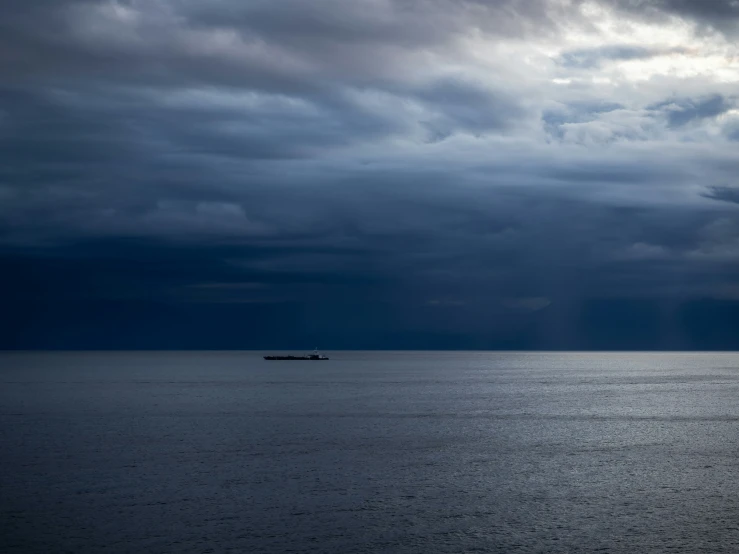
(295,358)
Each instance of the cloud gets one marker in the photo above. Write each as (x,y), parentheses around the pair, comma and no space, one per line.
(719,14)
(386,159)
(725,194)
(291,46)
(526,304)
(682,111)
(594,57)
(458,106)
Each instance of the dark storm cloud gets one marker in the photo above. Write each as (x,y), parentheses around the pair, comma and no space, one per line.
(608,173)
(457,105)
(292,46)
(375,167)
(487,241)
(726,194)
(373,258)
(89,158)
(84,159)
(281,46)
(404,22)
(682,111)
(476,256)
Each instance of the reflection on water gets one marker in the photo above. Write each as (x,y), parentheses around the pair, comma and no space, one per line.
(369,452)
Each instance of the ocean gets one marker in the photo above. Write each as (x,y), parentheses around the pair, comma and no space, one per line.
(196,452)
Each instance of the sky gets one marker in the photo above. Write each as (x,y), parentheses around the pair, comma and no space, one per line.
(392,174)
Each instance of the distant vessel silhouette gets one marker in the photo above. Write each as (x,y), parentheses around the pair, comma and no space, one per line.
(315,355)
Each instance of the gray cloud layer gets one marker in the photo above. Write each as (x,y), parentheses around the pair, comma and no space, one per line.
(455,155)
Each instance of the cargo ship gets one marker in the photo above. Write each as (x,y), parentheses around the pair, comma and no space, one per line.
(315,355)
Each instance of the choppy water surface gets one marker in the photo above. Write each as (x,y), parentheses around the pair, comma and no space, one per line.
(369,452)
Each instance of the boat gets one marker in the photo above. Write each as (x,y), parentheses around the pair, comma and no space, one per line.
(315,355)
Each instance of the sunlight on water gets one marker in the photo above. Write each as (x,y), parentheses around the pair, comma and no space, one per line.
(369,452)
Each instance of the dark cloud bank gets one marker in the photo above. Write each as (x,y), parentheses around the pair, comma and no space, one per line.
(285,174)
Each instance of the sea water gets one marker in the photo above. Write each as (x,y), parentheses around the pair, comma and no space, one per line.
(369,452)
